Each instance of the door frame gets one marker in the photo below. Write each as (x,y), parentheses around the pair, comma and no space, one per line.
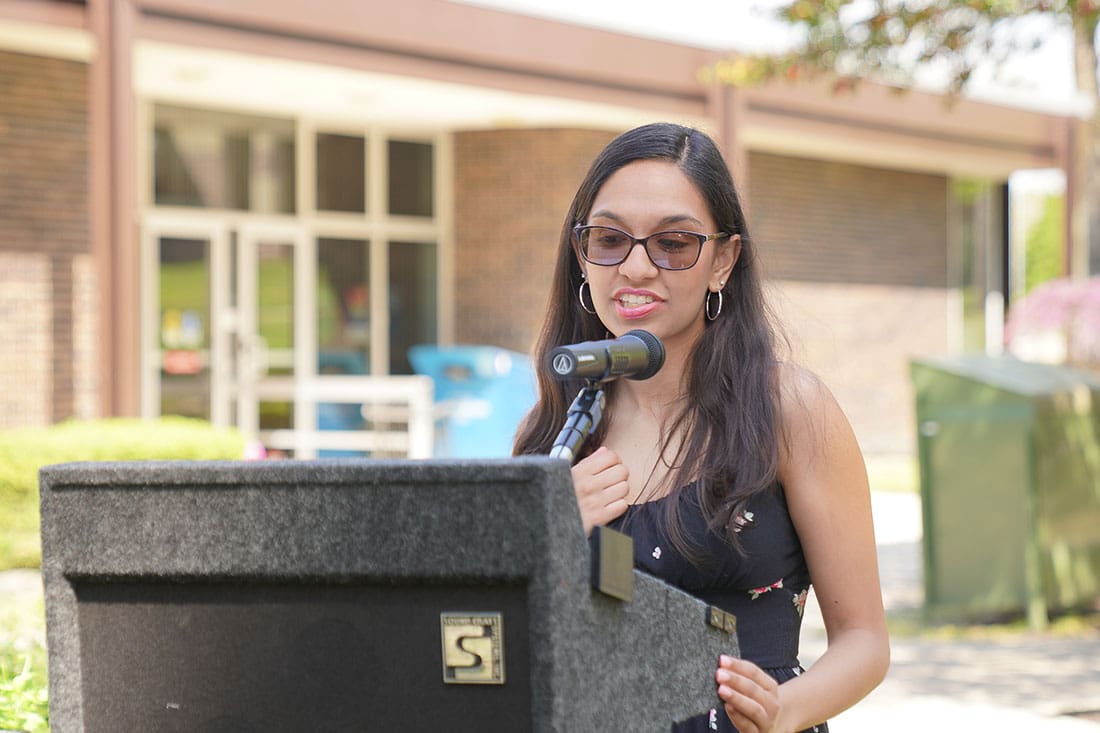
(251,388)
(214,231)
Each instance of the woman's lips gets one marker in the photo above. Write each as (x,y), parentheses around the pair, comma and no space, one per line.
(635,304)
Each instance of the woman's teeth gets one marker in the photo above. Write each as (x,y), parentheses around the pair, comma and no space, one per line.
(633,301)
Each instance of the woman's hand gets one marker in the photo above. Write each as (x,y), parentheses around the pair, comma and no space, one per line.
(749,695)
(600,483)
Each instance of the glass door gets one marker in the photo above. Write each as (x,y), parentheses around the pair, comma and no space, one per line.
(187,355)
(273,335)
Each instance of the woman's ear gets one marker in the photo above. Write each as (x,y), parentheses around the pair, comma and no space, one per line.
(726,256)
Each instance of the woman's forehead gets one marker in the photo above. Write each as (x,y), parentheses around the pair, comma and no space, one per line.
(653,192)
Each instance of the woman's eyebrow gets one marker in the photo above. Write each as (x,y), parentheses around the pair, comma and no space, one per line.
(671,219)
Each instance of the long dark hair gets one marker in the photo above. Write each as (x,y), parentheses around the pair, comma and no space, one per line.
(730,418)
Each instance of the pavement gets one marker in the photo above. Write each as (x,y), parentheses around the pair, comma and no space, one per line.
(1011,682)
(1007,681)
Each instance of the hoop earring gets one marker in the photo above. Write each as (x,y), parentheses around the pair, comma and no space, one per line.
(706,305)
(580,297)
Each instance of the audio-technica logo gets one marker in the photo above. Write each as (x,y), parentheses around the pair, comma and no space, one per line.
(563,363)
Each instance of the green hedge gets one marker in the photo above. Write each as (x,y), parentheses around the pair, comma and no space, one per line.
(24,451)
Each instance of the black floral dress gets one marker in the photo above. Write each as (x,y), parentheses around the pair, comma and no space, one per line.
(765,586)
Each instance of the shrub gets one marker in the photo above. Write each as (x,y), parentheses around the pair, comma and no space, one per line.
(24,451)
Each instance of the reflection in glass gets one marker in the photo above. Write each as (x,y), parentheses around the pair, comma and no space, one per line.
(413,300)
(276,415)
(223,161)
(184,327)
(343,306)
(275,314)
(341,179)
(411,184)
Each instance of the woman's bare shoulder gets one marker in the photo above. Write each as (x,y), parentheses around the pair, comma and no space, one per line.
(799,387)
(810,416)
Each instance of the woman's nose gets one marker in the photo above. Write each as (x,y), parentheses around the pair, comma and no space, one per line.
(637,265)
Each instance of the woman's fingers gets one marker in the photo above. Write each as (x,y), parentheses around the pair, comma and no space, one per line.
(750,696)
(601,484)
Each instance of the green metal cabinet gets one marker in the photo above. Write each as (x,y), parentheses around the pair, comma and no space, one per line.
(1010,486)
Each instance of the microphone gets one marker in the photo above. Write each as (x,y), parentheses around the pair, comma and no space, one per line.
(636,354)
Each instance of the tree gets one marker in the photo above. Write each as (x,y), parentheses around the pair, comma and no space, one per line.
(893,40)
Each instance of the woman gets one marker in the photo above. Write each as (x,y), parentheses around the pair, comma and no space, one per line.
(737,475)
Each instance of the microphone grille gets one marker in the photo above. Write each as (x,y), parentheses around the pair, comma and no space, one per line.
(655,353)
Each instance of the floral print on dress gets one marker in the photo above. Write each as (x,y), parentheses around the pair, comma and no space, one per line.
(800,601)
(742,520)
(656,553)
(757,592)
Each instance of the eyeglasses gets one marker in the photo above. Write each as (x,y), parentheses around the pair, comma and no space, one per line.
(672,250)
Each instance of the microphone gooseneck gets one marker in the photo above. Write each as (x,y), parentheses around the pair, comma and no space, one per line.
(583,417)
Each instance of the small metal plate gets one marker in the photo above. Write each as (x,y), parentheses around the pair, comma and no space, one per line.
(473,648)
(612,557)
(722,620)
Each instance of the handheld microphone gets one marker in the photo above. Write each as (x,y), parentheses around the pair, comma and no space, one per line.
(636,354)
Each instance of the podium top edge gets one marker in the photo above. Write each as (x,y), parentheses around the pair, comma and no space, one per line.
(297,472)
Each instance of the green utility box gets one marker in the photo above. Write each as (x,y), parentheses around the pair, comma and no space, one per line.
(1010,486)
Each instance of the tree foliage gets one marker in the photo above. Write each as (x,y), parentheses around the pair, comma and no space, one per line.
(891,40)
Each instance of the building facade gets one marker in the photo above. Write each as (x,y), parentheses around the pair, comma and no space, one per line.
(212,208)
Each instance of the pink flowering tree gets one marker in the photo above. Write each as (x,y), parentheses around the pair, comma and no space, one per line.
(1057,322)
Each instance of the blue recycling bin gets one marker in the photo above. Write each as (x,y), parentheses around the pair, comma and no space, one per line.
(481,395)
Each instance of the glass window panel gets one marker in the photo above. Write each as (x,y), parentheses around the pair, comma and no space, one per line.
(276,415)
(184,326)
(343,306)
(209,159)
(238,169)
(341,180)
(413,302)
(411,184)
(272,173)
(173,184)
(286,182)
(340,416)
(275,295)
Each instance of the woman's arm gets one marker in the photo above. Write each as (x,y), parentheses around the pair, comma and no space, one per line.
(825,481)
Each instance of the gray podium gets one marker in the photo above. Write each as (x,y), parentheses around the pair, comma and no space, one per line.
(352,596)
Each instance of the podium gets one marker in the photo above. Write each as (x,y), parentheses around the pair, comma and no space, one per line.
(352,595)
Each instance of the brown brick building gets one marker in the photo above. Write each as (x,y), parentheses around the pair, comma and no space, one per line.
(211,208)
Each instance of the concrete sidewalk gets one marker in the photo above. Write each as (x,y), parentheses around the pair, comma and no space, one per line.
(1008,682)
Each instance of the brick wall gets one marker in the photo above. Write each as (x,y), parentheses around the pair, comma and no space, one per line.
(43,227)
(86,366)
(512,190)
(856,259)
(26,329)
(819,221)
(859,339)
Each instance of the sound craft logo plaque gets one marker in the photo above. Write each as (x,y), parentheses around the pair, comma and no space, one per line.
(473,648)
